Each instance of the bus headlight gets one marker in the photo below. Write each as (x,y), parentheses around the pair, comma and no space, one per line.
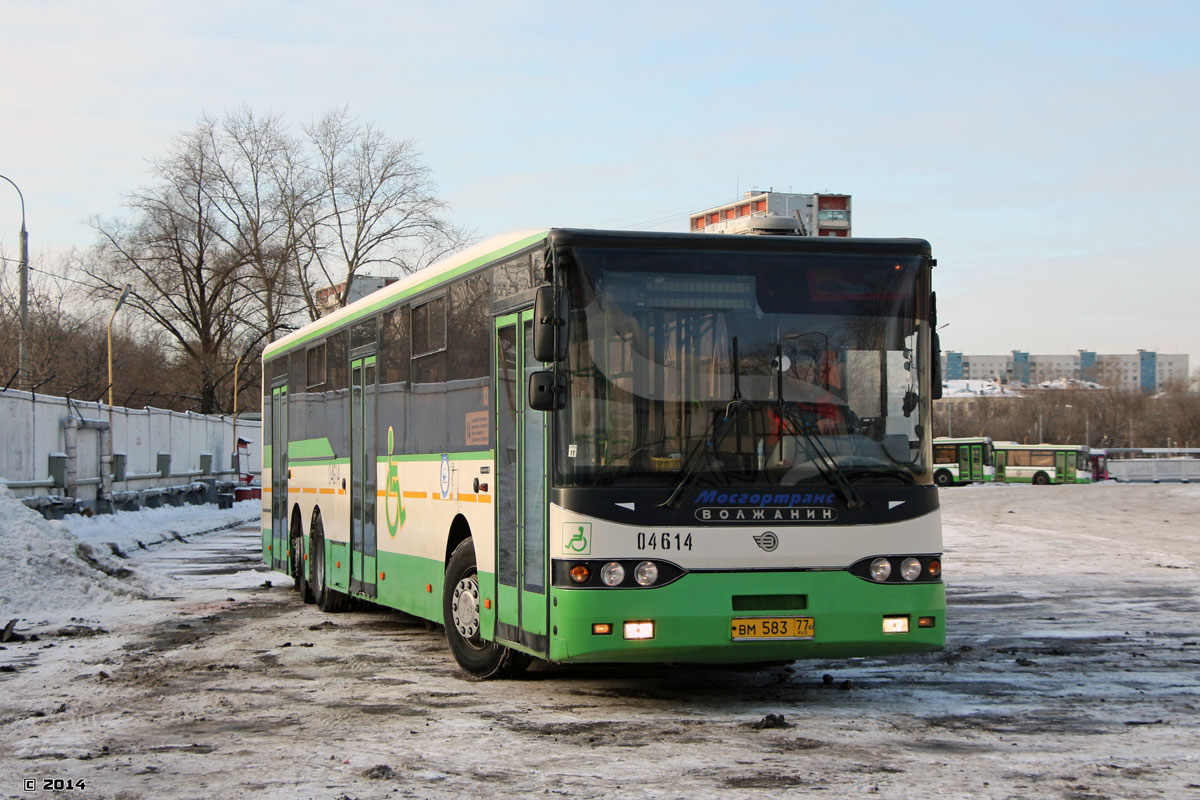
(910,569)
(881,569)
(612,573)
(646,573)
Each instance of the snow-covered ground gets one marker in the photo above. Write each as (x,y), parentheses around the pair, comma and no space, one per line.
(51,569)
(1072,670)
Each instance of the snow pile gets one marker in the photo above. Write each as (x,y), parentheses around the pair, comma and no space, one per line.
(126,531)
(1069,383)
(46,570)
(976,388)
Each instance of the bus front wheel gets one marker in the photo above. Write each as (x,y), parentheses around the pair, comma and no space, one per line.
(1041,479)
(460,609)
(942,478)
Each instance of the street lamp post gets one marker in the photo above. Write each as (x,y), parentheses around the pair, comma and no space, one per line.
(116,308)
(23,373)
(1087,424)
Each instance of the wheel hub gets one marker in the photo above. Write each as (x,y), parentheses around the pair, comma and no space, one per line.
(465,607)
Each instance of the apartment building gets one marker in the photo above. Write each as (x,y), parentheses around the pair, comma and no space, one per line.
(772,212)
(1145,370)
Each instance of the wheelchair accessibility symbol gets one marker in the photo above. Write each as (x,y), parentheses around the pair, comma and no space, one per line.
(391,493)
(577,538)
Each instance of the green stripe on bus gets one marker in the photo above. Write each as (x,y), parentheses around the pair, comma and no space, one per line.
(310,448)
(480,455)
(317,333)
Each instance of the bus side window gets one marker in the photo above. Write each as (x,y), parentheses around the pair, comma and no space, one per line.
(468,363)
(333,408)
(393,379)
(427,400)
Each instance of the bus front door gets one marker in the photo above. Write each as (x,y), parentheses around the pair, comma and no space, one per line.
(1066,471)
(977,462)
(522,609)
(279,479)
(362,476)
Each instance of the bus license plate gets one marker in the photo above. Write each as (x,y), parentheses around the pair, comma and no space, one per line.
(749,628)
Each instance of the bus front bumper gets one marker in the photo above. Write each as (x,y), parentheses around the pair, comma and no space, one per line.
(693,619)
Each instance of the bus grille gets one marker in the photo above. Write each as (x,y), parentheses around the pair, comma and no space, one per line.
(769,602)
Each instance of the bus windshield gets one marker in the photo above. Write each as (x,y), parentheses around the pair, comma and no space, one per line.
(761,368)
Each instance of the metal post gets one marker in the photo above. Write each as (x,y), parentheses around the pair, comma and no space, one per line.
(237,469)
(116,308)
(24,280)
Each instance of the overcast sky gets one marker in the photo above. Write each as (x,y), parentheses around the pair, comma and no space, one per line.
(1048,150)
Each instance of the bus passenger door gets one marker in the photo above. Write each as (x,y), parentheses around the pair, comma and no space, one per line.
(522,610)
(362,475)
(279,478)
(977,462)
(1066,472)
(964,463)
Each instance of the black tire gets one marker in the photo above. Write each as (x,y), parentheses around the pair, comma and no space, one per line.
(481,660)
(328,600)
(943,478)
(299,573)
(1041,479)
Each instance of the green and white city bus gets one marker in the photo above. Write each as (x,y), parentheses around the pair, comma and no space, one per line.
(590,446)
(962,460)
(1042,463)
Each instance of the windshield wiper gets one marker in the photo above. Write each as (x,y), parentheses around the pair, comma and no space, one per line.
(719,428)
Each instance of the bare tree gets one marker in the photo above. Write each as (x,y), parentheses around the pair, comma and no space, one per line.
(266,197)
(185,277)
(379,207)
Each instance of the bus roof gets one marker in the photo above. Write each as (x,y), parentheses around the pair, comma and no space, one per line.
(1042,446)
(462,261)
(499,246)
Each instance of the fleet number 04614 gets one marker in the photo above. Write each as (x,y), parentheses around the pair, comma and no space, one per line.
(664,541)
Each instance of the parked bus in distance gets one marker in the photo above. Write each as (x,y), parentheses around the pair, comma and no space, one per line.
(1042,463)
(1098,459)
(957,461)
(600,446)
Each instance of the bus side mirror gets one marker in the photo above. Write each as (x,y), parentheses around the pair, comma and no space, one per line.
(550,324)
(547,390)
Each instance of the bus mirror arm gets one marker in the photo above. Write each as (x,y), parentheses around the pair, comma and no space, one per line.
(935,344)
(547,391)
(935,365)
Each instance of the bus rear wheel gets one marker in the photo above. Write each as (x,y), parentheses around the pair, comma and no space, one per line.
(942,478)
(460,609)
(299,571)
(328,600)
(1041,479)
